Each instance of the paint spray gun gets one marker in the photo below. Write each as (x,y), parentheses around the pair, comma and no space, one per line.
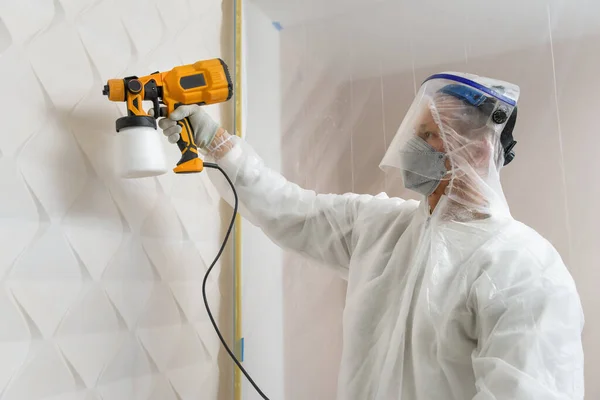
(141,146)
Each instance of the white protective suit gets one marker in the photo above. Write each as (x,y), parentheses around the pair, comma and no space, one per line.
(463,302)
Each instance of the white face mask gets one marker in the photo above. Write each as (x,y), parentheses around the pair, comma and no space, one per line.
(423,167)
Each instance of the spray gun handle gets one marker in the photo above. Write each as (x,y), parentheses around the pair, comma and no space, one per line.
(189,162)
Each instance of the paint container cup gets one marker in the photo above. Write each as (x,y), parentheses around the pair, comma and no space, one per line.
(141,152)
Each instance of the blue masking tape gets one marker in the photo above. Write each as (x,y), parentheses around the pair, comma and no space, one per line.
(277,25)
(242,350)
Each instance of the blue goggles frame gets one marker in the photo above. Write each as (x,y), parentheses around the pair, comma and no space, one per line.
(473,85)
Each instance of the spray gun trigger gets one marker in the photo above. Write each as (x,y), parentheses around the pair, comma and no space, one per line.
(156,106)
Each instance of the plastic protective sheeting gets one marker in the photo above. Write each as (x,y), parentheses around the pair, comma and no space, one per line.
(348,77)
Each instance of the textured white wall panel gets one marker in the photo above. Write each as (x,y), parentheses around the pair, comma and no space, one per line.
(100,278)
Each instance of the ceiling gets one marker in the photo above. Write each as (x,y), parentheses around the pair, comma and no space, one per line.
(400,33)
(290,13)
(294,12)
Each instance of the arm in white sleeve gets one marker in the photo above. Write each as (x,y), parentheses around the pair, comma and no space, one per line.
(320,226)
(529,322)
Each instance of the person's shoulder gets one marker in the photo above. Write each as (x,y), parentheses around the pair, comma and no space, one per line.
(383,205)
(530,243)
(523,274)
(386,202)
(520,253)
(381,212)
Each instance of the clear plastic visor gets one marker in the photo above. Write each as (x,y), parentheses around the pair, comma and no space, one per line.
(446,118)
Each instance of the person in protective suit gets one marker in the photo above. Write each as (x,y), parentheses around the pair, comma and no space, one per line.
(448,298)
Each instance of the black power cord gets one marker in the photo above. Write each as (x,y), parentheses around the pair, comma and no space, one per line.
(231,224)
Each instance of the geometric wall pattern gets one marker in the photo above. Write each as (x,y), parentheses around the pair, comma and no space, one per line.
(100,278)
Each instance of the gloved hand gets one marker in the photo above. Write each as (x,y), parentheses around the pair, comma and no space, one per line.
(203,126)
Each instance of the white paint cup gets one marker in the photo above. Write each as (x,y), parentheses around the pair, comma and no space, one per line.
(141,152)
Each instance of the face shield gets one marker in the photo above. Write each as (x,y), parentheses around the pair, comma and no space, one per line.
(458,129)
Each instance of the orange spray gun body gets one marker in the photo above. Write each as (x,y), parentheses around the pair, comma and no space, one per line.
(204,82)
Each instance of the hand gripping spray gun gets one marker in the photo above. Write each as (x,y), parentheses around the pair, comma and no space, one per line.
(141,151)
